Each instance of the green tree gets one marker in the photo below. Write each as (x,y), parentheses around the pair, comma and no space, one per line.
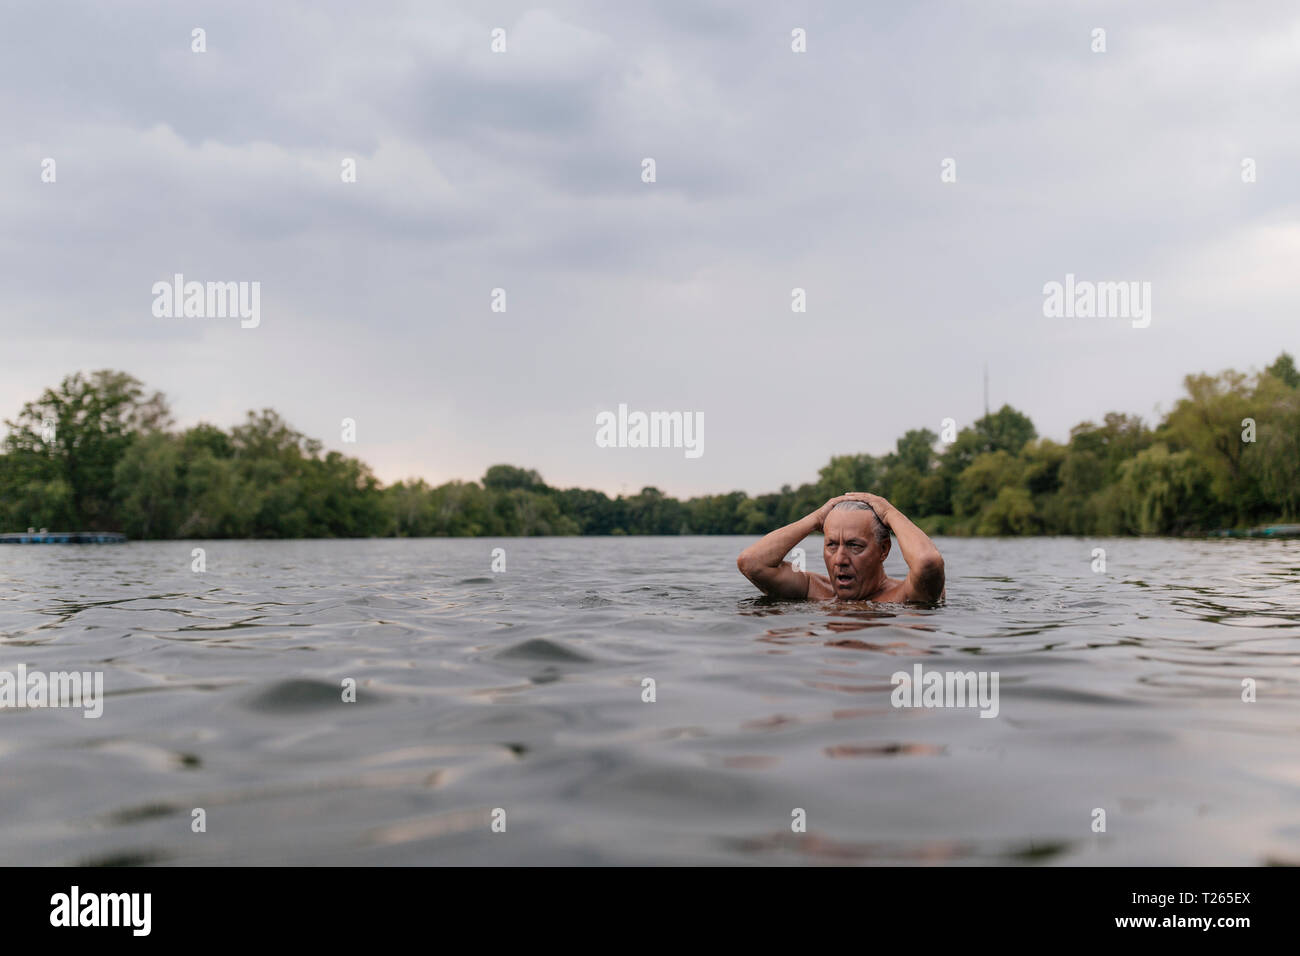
(95,453)
(148,485)
(1010,512)
(979,485)
(1208,423)
(906,471)
(1005,430)
(846,473)
(1284,370)
(508,477)
(914,450)
(1273,460)
(594,512)
(70,440)
(1163,493)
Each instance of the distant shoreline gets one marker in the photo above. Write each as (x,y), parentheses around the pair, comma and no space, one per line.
(96,453)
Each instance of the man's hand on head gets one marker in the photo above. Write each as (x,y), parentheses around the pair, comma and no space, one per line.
(879,505)
(825,509)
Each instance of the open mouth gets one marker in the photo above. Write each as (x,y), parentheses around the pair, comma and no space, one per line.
(843,580)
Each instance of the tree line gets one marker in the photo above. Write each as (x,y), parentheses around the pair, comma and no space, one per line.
(98,453)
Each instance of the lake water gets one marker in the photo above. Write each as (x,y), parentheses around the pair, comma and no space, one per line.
(523,690)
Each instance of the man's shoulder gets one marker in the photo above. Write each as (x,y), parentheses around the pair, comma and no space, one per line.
(893,591)
(897,592)
(819,587)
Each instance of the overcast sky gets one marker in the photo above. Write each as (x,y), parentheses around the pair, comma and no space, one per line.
(523,170)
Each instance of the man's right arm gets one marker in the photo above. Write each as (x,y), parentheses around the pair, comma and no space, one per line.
(763,561)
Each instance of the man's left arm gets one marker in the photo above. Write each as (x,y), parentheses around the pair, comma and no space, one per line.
(925,575)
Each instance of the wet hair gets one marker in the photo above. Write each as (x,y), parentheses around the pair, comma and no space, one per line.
(882,532)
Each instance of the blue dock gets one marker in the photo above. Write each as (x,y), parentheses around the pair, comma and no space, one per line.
(1269,531)
(31,536)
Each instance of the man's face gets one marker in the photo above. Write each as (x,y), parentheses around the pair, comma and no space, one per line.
(853,557)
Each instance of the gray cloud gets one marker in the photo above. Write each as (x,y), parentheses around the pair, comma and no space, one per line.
(522,171)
